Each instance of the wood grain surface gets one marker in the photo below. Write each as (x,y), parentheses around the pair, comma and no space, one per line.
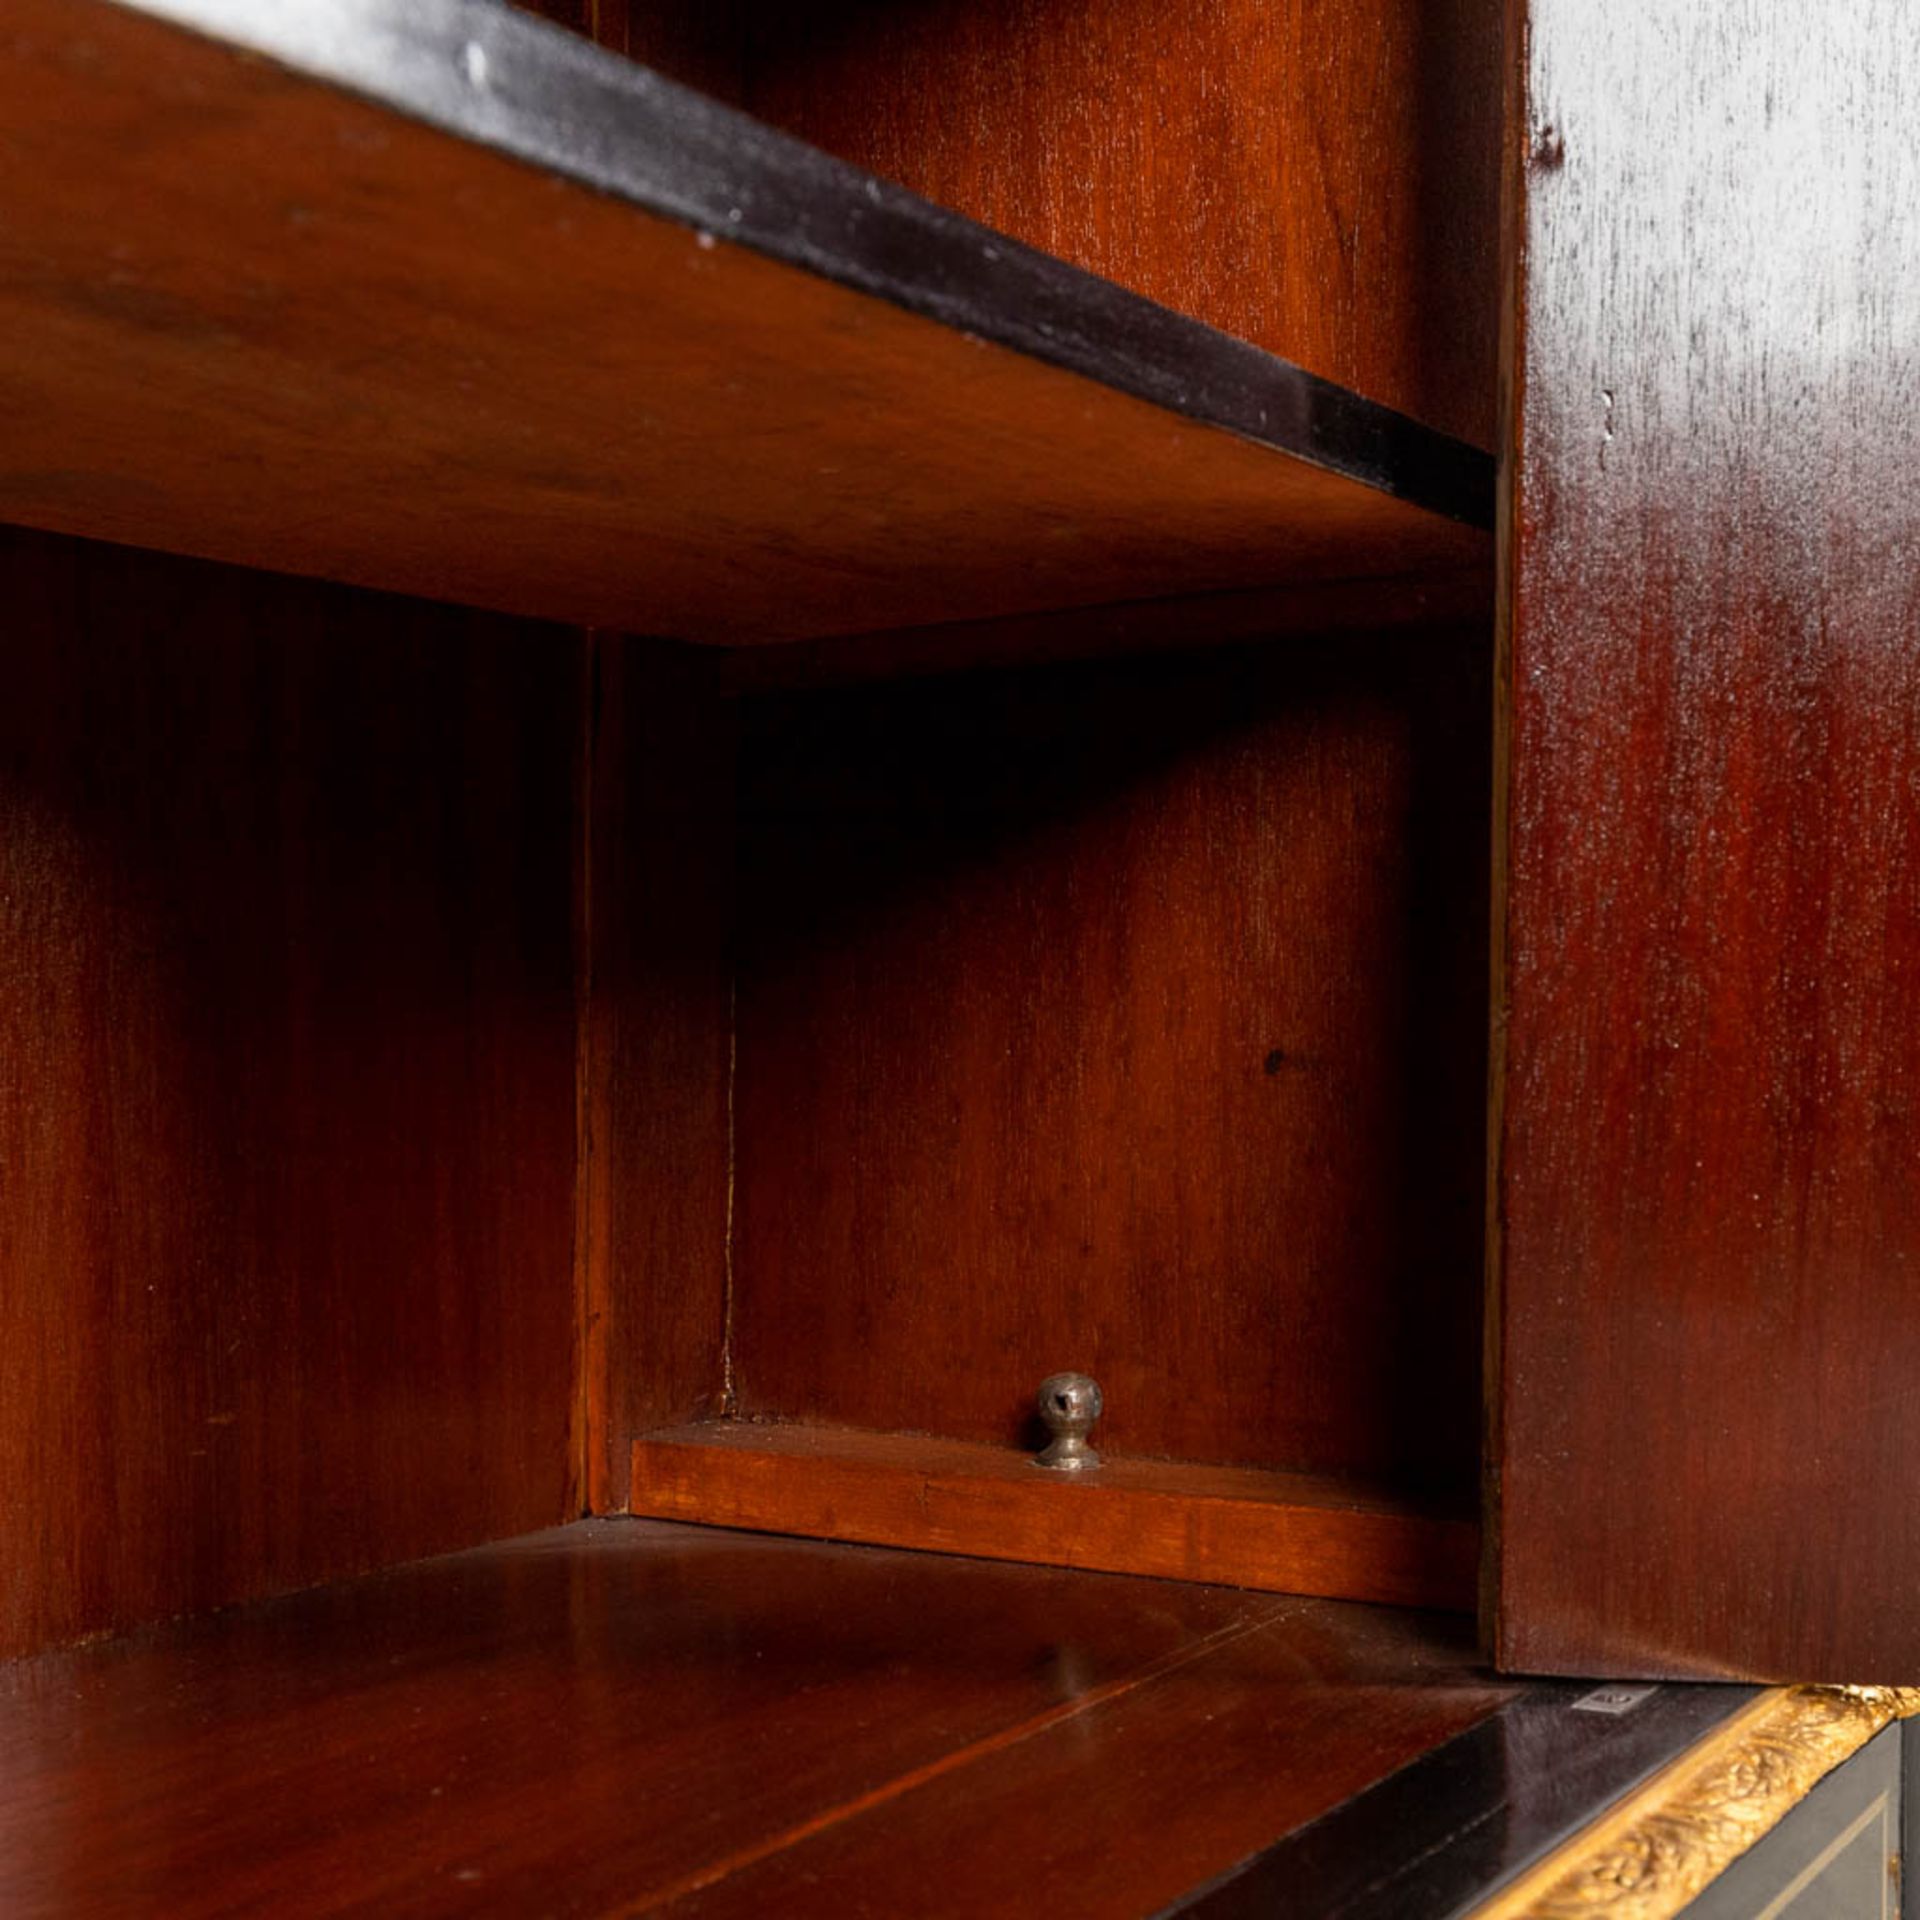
(286,1084)
(657,1054)
(1126,1016)
(1710,1150)
(1237,1526)
(1322,181)
(224,288)
(1130,1808)
(618,1715)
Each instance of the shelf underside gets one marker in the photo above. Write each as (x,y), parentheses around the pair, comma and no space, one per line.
(1281,1532)
(260,309)
(619,1716)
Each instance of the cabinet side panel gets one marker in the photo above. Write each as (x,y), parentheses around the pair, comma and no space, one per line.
(1322,181)
(1710,1157)
(1128,1017)
(286,1083)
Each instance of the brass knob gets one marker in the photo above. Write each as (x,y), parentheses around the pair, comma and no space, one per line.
(1069,1404)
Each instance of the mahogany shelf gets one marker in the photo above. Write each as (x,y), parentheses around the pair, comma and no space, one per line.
(623,1717)
(1236,1526)
(430,296)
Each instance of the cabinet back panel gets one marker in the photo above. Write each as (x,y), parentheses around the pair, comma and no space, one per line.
(286,1083)
(1125,1016)
(1321,181)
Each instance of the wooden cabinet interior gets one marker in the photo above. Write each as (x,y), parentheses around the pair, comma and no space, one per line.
(1123,1015)
(933,1033)
(670,818)
(938,1032)
(464,1057)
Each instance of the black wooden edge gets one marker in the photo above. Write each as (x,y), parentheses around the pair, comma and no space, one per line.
(522,87)
(1433,1840)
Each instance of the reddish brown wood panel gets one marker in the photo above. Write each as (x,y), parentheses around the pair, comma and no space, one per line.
(286,1083)
(1710,1156)
(1123,1811)
(223,286)
(701,43)
(1129,1017)
(657,1059)
(1323,181)
(1279,1532)
(595,1720)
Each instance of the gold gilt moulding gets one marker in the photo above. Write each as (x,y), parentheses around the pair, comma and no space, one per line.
(1662,1845)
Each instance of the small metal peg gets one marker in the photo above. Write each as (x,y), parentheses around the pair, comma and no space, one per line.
(1069,1405)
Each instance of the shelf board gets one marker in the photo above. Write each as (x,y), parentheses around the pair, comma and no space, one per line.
(1237,1526)
(427,295)
(621,1717)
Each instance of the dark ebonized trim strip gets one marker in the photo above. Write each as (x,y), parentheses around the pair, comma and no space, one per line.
(525,88)
(1441,1835)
